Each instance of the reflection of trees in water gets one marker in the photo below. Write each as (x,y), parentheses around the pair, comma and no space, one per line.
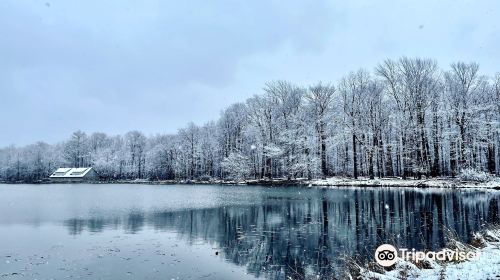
(310,233)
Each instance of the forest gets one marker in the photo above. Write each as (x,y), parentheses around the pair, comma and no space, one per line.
(406,118)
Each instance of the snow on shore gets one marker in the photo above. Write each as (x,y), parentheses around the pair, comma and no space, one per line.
(398,182)
(449,183)
(487,266)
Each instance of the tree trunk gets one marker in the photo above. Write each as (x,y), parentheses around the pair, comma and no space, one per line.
(491,158)
(453,159)
(389,168)
(324,168)
(435,164)
(354,157)
(463,159)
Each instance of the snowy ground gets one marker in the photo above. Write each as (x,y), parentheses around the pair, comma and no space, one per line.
(397,182)
(486,267)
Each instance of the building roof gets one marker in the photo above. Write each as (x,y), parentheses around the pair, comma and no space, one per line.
(71,172)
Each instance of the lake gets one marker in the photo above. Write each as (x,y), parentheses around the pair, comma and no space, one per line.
(114,231)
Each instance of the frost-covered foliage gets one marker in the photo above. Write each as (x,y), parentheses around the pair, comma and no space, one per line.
(473,175)
(407,118)
(236,165)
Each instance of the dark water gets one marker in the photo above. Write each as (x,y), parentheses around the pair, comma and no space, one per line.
(220,232)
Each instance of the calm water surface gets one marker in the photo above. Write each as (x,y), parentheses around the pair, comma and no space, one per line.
(220,232)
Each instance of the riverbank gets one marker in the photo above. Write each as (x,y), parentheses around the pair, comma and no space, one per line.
(448,183)
(486,243)
(398,182)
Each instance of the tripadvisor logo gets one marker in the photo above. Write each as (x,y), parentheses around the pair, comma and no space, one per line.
(386,255)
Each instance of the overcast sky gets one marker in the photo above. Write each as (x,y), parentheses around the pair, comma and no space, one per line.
(154,66)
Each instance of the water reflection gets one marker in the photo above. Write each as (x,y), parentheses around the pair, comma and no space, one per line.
(307,234)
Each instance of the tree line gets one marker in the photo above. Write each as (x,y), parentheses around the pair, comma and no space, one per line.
(407,118)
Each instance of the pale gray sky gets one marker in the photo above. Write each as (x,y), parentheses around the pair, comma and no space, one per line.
(154,66)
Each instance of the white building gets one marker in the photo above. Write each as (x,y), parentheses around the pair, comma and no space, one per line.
(74,175)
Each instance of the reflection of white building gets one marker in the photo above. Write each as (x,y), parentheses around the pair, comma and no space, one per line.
(74,175)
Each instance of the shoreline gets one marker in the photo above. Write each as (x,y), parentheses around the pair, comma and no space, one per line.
(332,182)
(443,183)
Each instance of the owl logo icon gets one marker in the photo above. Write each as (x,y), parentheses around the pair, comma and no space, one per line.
(386,255)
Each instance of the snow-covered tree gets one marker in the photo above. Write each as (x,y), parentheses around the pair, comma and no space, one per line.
(236,165)
(406,118)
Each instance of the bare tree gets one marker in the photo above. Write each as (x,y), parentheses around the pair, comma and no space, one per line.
(320,98)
